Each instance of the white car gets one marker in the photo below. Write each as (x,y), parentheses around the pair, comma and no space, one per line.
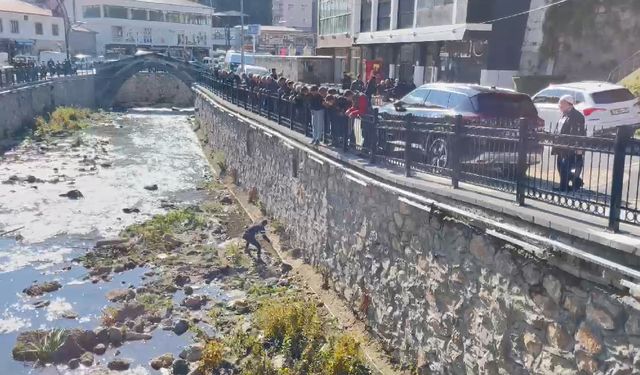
(253,69)
(604,105)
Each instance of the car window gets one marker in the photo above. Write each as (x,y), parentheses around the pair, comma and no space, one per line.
(416,97)
(460,102)
(612,96)
(579,97)
(438,99)
(504,105)
(547,96)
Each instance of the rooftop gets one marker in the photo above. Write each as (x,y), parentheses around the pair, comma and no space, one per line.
(17,6)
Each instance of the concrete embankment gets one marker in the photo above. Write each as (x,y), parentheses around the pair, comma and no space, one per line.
(439,291)
(19,107)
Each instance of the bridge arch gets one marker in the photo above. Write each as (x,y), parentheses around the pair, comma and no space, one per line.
(111,76)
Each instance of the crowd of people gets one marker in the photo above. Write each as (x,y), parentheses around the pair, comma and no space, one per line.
(327,109)
(30,71)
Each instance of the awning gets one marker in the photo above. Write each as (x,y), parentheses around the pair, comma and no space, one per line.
(423,34)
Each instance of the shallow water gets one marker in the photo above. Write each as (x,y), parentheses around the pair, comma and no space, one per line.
(111,168)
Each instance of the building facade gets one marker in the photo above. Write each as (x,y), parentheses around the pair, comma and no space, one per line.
(279,40)
(179,27)
(423,40)
(26,29)
(294,13)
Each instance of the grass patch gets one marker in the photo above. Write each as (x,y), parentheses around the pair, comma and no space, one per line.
(220,161)
(153,232)
(212,356)
(154,302)
(62,121)
(109,316)
(44,349)
(277,227)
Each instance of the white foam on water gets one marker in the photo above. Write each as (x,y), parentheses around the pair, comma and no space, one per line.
(10,323)
(57,308)
(19,257)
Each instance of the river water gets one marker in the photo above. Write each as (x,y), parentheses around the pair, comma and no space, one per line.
(110,164)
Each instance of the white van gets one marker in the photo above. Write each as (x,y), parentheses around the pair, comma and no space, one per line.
(233,60)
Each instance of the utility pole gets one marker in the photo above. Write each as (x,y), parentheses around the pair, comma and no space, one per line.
(242,35)
(67,26)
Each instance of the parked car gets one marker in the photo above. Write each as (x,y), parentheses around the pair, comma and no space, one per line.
(604,105)
(480,105)
(253,69)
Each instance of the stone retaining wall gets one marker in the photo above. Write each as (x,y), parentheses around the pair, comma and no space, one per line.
(19,107)
(441,295)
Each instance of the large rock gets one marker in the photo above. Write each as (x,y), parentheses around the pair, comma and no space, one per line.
(75,344)
(180,367)
(119,365)
(42,288)
(164,361)
(129,311)
(194,302)
(136,336)
(120,295)
(588,340)
(553,287)
(180,327)
(558,337)
(87,359)
(99,349)
(192,353)
(115,336)
(600,317)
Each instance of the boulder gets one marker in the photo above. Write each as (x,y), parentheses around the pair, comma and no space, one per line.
(42,288)
(180,367)
(153,187)
(120,295)
(135,336)
(115,336)
(194,302)
(163,361)
(180,327)
(192,353)
(73,194)
(119,365)
(73,363)
(87,359)
(99,349)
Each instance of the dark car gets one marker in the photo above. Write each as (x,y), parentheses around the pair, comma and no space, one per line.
(479,106)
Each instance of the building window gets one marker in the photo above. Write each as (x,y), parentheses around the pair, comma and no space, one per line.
(335,17)
(15,27)
(111,11)
(405,13)
(365,16)
(55,29)
(1,28)
(38,28)
(139,14)
(384,15)
(434,12)
(156,15)
(91,11)
(173,17)
(116,33)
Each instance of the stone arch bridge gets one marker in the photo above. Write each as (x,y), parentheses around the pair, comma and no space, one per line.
(111,76)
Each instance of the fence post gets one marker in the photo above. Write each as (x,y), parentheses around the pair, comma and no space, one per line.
(279,107)
(374,137)
(623,134)
(290,114)
(407,144)
(246,97)
(521,167)
(454,151)
(347,134)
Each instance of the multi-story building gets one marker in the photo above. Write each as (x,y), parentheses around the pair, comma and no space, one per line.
(294,13)
(424,40)
(181,28)
(280,40)
(26,29)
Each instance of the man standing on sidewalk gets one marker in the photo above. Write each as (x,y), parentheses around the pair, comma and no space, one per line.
(570,162)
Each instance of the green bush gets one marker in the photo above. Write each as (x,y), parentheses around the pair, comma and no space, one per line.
(62,121)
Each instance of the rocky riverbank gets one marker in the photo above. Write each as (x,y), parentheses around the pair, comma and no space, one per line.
(174,284)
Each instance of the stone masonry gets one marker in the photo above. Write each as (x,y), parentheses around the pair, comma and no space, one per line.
(441,295)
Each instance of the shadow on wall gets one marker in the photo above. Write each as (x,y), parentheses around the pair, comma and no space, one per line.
(158,89)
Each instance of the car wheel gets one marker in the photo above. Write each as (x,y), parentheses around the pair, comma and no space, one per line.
(437,153)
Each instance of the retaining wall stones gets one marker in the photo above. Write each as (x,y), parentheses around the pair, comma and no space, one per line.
(152,89)
(19,107)
(440,294)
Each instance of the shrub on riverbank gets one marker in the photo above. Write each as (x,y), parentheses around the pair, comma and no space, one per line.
(62,121)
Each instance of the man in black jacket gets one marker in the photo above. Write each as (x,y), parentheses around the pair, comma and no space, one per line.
(570,162)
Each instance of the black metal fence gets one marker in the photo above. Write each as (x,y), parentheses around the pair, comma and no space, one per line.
(598,176)
(16,77)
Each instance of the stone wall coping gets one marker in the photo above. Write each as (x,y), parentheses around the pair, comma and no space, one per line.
(535,229)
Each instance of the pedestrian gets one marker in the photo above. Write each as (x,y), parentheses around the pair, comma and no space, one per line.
(357,85)
(316,107)
(570,162)
(274,74)
(340,121)
(372,88)
(250,238)
(346,81)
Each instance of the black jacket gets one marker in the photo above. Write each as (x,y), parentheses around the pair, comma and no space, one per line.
(571,123)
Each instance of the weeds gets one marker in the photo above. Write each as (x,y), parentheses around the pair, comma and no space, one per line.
(109,316)
(154,302)
(153,232)
(345,357)
(277,227)
(44,349)
(212,356)
(61,121)
(220,161)
(234,254)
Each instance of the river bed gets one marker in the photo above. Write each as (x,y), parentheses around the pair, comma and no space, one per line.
(110,164)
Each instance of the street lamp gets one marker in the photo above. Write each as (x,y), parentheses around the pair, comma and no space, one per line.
(242,36)
(67,26)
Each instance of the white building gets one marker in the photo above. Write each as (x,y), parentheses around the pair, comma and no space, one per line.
(26,29)
(180,27)
(293,13)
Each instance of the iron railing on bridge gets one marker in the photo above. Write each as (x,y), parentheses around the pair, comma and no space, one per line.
(601,175)
(24,76)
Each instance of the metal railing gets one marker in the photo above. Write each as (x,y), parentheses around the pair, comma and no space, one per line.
(628,66)
(597,176)
(18,77)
